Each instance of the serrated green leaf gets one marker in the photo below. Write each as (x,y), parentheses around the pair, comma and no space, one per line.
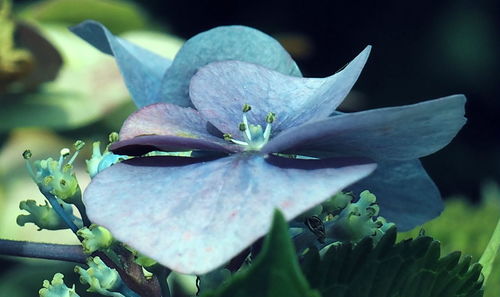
(410,268)
(274,273)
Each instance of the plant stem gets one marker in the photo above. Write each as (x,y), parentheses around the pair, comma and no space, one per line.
(59,210)
(490,252)
(77,201)
(51,251)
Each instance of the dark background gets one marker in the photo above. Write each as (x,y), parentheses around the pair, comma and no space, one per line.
(421,50)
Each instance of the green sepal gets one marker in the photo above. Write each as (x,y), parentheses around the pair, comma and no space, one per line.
(275,272)
(410,268)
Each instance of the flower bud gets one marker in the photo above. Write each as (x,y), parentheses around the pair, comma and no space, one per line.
(357,220)
(95,238)
(44,216)
(100,278)
(98,162)
(57,288)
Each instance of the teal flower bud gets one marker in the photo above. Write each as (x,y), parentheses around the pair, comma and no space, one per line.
(56,177)
(100,278)
(336,203)
(44,216)
(100,161)
(358,220)
(57,288)
(383,226)
(95,238)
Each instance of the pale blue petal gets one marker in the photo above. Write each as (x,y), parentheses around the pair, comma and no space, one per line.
(141,69)
(194,215)
(405,193)
(394,133)
(219,44)
(167,127)
(219,91)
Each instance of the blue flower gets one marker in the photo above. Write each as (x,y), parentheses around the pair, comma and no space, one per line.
(235,92)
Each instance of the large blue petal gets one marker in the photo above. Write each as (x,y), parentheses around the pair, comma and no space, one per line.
(193,216)
(219,91)
(141,69)
(168,127)
(222,43)
(405,193)
(394,133)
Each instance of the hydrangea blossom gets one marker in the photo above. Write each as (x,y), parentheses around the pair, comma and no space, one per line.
(262,136)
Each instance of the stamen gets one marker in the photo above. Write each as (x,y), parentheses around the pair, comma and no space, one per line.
(267,133)
(246,108)
(243,127)
(239,142)
(27,156)
(270,117)
(113,137)
(63,154)
(78,146)
(247,132)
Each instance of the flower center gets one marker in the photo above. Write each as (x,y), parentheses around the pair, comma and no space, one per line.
(254,137)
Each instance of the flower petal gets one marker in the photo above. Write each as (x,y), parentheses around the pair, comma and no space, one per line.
(405,193)
(222,43)
(219,91)
(144,144)
(168,127)
(194,217)
(394,133)
(141,69)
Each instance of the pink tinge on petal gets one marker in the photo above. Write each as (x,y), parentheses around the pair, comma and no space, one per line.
(194,217)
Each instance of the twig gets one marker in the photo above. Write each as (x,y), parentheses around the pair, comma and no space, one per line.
(51,251)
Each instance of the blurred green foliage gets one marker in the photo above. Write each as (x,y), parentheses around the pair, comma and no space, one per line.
(119,16)
(468,228)
(88,86)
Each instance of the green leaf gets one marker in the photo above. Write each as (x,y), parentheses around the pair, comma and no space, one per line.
(118,16)
(410,268)
(474,225)
(274,273)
